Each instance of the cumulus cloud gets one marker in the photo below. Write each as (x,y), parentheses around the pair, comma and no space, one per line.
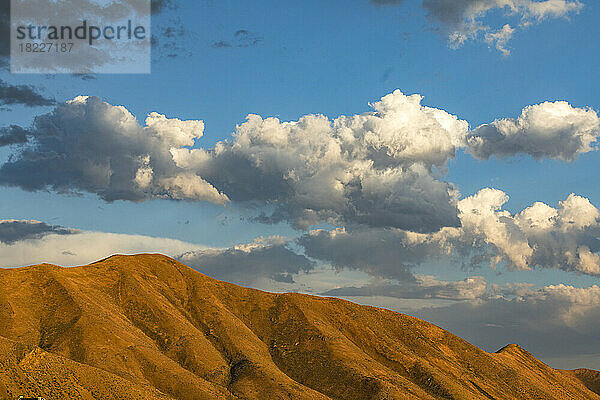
(424,287)
(540,236)
(464,20)
(557,322)
(539,10)
(13,230)
(87,144)
(379,169)
(375,168)
(264,258)
(548,130)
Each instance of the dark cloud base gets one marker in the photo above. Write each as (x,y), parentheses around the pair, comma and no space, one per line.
(12,231)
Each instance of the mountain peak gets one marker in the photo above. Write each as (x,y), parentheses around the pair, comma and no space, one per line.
(511,347)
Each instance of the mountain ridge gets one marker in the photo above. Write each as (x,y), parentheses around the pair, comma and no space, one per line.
(149,326)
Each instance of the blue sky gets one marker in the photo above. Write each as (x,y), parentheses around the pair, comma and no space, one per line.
(316,57)
(320,58)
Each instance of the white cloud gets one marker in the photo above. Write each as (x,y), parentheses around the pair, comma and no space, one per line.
(379,169)
(85,247)
(482,218)
(540,236)
(540,10)
(464,20)
(174,131)
(547,130)
(500,38)
(87,144)
(374,168)
(265,261)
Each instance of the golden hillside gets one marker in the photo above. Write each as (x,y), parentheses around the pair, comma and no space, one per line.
(148,327)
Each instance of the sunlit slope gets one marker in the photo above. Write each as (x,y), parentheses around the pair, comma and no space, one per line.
(149,327)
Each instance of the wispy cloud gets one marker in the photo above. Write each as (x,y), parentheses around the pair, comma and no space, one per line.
(241,38)
(26,242)
(26,95)
(424,287)
(465,20)
(387,2)
(12,134)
